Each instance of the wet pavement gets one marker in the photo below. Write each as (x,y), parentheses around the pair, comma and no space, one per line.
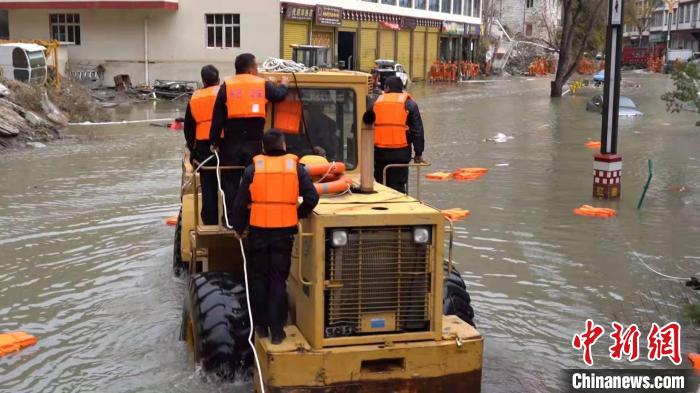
(85,257)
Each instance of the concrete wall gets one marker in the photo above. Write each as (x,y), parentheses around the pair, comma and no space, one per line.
(177,46)
(514,16)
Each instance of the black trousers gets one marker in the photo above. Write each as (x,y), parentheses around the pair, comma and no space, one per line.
(396,178)
(235,153)
(269,260)
(210,188)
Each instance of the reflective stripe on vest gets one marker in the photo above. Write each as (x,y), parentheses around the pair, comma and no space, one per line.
(274,192)
(390,127)
(245,96)
(202,108)
(288,114)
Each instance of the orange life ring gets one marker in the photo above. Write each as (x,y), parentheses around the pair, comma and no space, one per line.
(322,169)
(334,187)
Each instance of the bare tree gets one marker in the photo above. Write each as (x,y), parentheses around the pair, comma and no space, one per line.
(579,19)
(638,14)
(547,20)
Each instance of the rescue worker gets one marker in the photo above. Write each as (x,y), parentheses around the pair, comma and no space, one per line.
(197,127)
(271,187)
(398,125)
(240,111)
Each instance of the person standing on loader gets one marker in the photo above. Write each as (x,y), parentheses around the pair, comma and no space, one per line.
(397,126)
(240,111)
(197,126)
(271,186)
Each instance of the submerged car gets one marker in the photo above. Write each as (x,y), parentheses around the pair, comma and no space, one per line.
(627,107)
(599,78)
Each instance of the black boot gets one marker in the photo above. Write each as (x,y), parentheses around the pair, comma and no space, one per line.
(261,331)
(278,336)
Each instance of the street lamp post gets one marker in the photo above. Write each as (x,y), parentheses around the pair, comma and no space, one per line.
(670,4)
(607,165)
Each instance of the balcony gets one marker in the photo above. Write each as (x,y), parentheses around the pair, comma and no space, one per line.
(82,4)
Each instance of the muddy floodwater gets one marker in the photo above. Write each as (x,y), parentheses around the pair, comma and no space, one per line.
(85,257)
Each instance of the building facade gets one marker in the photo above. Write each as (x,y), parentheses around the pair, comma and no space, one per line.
(684,27)
(414,33)
(167,39)
(529,19)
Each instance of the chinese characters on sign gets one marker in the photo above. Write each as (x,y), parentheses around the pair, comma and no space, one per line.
(328,16)
(662,342)
(299,13)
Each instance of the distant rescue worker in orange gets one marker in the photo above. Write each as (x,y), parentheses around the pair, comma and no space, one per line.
(240,111)
(197,126)
(271,187)
(397,126)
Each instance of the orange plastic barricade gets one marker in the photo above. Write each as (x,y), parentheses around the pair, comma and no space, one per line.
(172,221)
(438,176)
(456,214)
(590,211)
(15,341)
(469,173)
(593,144)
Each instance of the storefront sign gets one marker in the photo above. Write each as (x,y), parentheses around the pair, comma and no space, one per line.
(657,37)
(329,16)
(409,23)
(472,30)
(299,13)
(389,25)
(452,28)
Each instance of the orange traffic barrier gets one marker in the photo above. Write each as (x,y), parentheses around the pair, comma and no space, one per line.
(590,211)
(334,187)
(172,221)
(15,341)
(695,360)
(456,214)
(593,144)
(438,176)
(469,173)
(327,168)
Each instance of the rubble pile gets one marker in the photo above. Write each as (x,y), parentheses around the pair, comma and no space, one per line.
(523,56)
(30,114)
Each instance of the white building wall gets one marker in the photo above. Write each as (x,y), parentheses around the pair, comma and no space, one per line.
(177,40)
(515,16)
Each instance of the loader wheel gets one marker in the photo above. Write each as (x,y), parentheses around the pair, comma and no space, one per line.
(456,299)
(215,325)
(179,266)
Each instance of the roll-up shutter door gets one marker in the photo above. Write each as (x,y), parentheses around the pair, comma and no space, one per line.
(294,34)
(432,48)
(418,70)
(386,44)
(404,55)
(368,48)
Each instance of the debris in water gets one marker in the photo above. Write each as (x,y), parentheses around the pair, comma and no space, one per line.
(36,145)
(499,138)
(503,164)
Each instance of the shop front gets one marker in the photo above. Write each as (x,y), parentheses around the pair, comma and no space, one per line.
(470,42)
(451,41)
(307,25)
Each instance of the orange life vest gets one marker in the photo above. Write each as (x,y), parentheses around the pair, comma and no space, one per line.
(274,192)
(390,127)
(202,108)
(245,96)
(288,114)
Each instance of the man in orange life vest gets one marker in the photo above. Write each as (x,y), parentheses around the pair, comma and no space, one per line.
(397,126)
(240,111)
(197,127)
(271,186)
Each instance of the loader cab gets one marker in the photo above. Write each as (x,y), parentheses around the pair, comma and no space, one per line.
(312,55)
(24,63)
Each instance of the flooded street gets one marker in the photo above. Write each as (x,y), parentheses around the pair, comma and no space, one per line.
(85,257)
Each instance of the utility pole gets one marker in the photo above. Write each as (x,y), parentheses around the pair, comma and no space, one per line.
(607,165)
(670,4)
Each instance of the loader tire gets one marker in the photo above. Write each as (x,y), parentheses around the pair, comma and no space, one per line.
(215,325)
(456,299)
(179,266)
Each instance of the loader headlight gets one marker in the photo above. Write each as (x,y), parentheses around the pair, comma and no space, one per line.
(339,238)
(421,235)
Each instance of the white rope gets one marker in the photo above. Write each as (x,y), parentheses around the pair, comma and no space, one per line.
(328,172)
(639,258)
(274,64)
(195,172)
(250,314)
(106,123)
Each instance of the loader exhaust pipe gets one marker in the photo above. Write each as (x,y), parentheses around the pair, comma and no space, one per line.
(367,151)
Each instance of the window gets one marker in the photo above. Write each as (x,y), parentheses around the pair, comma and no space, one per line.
(529,3)
(446,6)
(405,3)
(419,4)
(390,2)
(468,7)
(434,5)
(688,12)
(477,9)
(528,30)
(457,7)
(330,116)
(65,28)
(223,30)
